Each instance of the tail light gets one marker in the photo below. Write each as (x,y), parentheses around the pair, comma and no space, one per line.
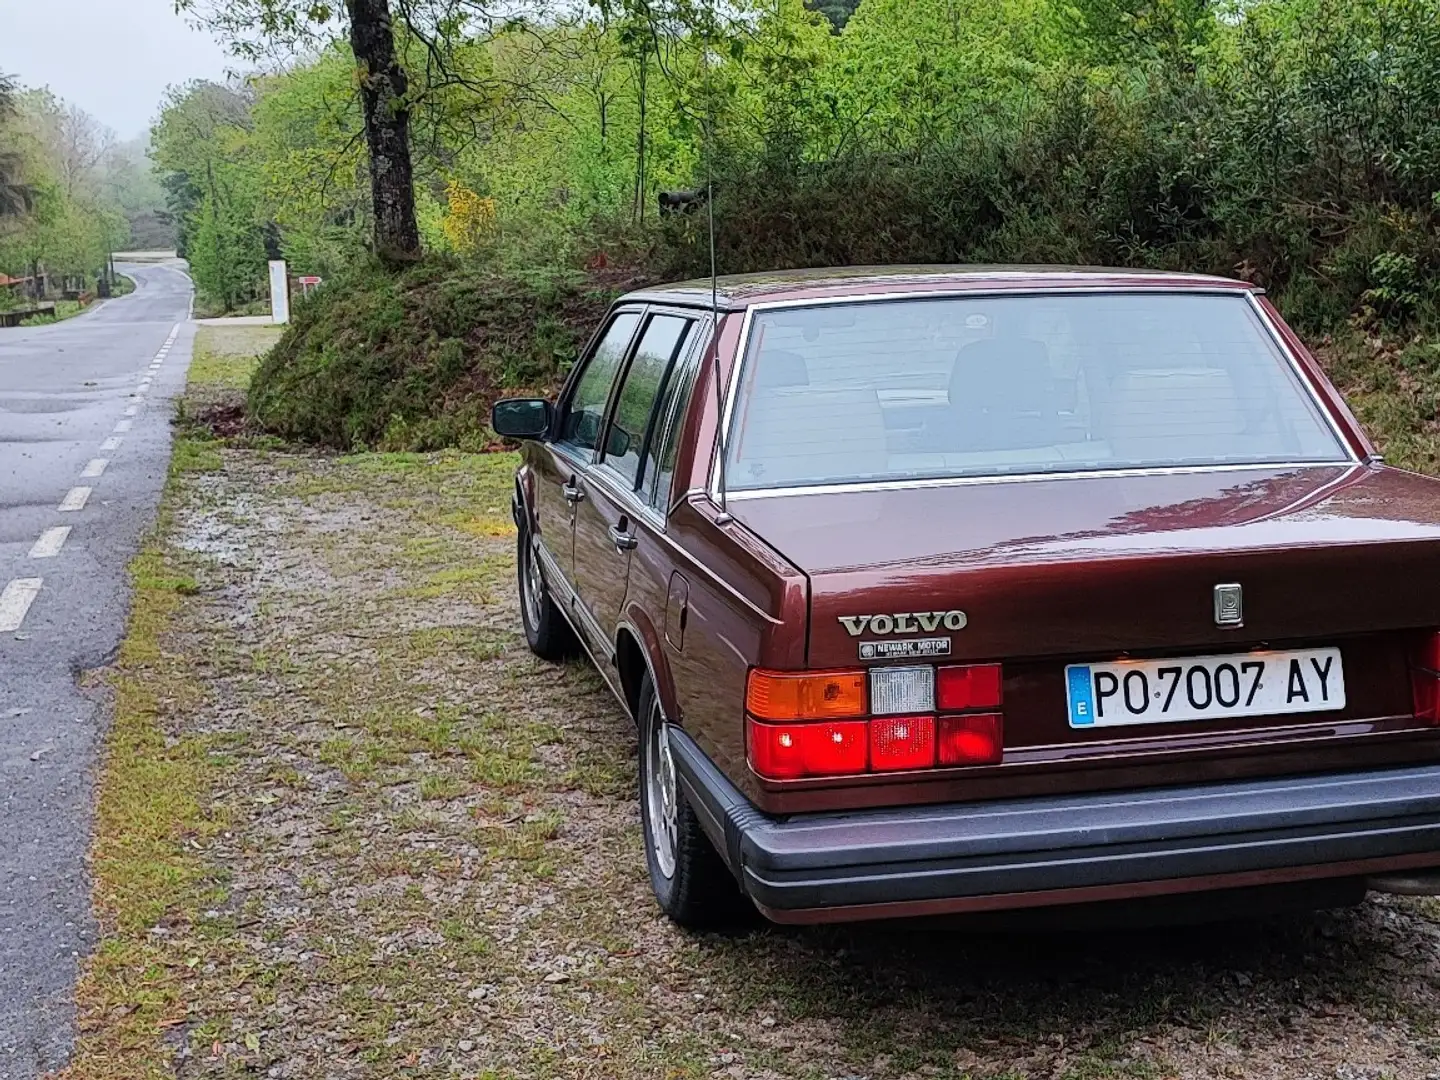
(887,719)
(902,742)
(783,695)
(972,740)
(1425,678)
(790,751)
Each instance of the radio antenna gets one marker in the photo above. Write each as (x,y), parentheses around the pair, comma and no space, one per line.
(709,125)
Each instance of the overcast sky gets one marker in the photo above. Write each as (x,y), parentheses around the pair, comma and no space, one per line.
(113,58)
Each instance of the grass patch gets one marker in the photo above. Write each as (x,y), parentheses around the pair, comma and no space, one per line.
(225,357)
(153,820)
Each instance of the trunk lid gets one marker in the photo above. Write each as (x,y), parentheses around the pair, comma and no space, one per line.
(1107,565)
(1105,568)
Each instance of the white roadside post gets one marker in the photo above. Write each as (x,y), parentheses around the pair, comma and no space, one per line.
(279,292)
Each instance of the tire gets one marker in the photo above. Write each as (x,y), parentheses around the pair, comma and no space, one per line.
(692,884)
(546,631)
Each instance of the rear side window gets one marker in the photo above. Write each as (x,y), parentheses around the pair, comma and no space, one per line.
(671,417)
(586,411)
(629,445)
(985,386)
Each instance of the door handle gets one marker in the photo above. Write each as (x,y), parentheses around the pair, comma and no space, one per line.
(572,494)
(623,541)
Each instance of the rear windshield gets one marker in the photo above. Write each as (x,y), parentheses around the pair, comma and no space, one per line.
(959,387)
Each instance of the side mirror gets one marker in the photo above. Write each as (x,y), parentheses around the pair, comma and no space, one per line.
(618,442)
(521,418)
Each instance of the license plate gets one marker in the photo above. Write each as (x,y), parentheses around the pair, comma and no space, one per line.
(1205,687)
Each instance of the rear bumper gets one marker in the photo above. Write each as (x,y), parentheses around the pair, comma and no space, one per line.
(1065,849)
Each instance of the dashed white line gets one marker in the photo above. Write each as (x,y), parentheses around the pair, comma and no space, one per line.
(123,426)
(50,542)
(15,602)
(131,410)
(112,443)
(95,468)
(75,499)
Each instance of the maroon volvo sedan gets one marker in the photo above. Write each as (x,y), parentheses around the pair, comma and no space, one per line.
(947,590)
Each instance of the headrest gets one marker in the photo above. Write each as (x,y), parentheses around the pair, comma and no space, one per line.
(780,367)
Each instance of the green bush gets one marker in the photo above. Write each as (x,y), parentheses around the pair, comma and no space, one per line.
(414,361)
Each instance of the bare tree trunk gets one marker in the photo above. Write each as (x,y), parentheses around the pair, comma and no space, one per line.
(383,90)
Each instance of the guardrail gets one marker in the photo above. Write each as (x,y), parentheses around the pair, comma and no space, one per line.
(14,316)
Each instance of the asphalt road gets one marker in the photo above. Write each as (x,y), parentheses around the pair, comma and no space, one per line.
(84,448)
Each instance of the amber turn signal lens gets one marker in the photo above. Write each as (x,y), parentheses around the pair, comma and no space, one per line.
(811,695)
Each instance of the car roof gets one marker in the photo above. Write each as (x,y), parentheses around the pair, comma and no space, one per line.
(739,291)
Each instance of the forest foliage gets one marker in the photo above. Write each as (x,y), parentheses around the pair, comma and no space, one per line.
(75,192)
(1295,143)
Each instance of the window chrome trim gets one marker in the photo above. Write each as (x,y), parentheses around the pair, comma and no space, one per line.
(617,489)
(742,349)
(1024,478)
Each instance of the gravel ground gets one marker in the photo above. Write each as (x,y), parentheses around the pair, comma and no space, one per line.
(396,844)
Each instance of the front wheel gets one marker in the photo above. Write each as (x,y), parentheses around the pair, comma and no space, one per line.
(546,631)
(691,882)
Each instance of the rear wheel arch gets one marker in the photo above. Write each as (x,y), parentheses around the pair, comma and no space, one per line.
(637,655)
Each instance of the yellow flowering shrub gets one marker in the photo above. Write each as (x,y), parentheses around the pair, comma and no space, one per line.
(469,218)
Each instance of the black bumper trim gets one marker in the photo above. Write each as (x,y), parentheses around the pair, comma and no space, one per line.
(977,850)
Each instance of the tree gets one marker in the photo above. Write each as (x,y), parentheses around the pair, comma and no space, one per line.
(16,196)
(204,142)
(384,94)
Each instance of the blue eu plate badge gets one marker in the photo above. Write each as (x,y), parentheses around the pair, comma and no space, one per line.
(1082,709)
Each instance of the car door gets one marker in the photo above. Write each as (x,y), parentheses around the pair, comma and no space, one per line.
(608,519)
(560,462)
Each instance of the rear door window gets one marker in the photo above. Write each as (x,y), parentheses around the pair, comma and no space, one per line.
(629,446)
(585,412)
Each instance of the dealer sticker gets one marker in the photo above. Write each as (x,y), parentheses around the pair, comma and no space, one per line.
(914,648)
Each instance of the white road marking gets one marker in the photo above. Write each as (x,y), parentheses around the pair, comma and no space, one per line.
(112,443)
(75,499)
(15,602)
(131,410)
(123,426)
(144,384)
(50,542)
(95,468)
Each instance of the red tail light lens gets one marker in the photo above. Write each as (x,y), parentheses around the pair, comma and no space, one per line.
(1425,678)
(972,740)
(793,751)
(974,686)
(902,742)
